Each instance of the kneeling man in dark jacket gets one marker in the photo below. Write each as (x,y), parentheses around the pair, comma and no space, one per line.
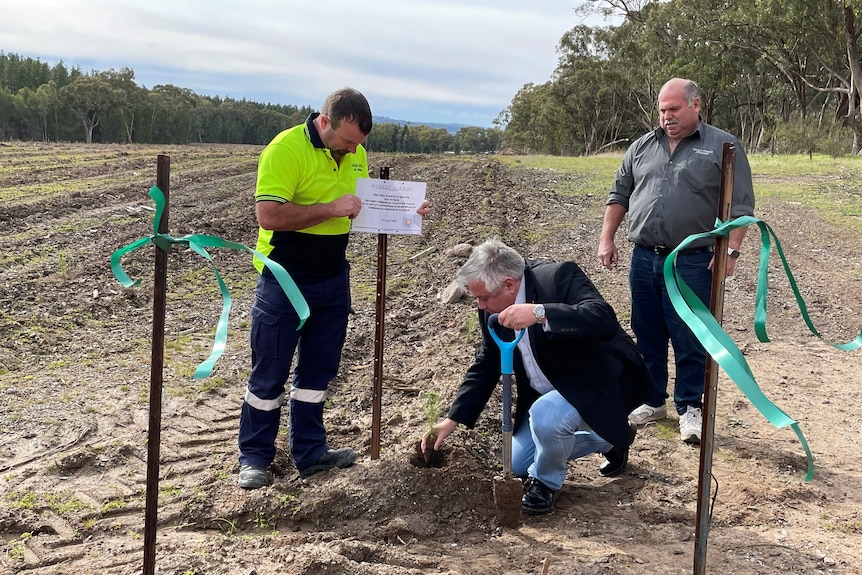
(578,373)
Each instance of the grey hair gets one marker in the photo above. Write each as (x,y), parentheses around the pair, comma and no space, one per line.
(491,263)
(691,92)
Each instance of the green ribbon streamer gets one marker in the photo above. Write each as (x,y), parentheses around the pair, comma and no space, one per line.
(719,344)
(198,244)
(760,297)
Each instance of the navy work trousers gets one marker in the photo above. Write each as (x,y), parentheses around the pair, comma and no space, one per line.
(655,321)
(274,340)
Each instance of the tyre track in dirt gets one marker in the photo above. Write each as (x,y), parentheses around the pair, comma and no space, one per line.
(100,484)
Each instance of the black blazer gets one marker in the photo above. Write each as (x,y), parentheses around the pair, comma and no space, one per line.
(587,356)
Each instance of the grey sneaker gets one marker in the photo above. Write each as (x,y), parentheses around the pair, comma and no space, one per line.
(646,413)
(690,425)
(253,477)
(333,458)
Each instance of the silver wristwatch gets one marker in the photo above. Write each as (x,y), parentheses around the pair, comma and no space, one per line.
(539,310)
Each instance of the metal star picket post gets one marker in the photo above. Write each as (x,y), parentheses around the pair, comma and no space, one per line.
(724,353)
(197,243)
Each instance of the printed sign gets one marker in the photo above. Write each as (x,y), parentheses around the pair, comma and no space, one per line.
(389,206)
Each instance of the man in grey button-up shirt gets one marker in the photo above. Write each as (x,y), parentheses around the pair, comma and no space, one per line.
(669,185)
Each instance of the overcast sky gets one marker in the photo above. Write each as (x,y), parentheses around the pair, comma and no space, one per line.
(459,61)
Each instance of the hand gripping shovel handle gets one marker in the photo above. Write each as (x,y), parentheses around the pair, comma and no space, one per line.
(507,353)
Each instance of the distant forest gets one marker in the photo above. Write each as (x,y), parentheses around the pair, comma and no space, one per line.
(63,104)
(782,75)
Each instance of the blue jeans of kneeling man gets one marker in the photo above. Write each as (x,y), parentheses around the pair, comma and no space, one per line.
(554,434)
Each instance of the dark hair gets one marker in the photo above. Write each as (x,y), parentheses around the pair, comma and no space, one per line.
(348,104)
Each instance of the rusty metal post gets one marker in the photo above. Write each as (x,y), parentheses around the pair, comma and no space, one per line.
(163,177)
(710,391)
(379,331)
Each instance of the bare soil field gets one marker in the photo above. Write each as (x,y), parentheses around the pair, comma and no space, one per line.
(75,353)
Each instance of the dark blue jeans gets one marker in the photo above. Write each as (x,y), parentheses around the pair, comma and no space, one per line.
(655,322)
(274,340)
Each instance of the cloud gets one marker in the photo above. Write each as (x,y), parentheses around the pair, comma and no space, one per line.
(417,60)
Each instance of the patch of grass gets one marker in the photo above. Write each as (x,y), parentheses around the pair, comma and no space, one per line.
(22,500)
(830,185)
(835,203)
(848,528)
(16,550)
(227,526)
(727,455)
(262,521)
(667,429)
(113,505)
(63,504)
(212,383)
(88,524)
(472,327)
(597,171)
(170,490)
(799,165)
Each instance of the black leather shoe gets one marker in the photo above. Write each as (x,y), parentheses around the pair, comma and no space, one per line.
(539,498)
(333,458)
(618,457)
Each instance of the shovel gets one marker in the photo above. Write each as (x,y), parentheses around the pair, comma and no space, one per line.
(508,490)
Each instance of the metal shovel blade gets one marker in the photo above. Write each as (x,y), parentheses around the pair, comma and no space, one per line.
(508,490)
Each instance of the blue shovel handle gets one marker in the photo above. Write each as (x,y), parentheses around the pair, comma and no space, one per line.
(507,353)
(507,348)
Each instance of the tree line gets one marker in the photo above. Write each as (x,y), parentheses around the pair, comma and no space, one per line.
(782,75)
(46,103)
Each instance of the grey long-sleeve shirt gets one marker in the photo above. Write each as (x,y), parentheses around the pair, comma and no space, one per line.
(669,197)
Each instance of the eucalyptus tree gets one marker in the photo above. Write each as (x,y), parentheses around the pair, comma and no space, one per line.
(171,109)
(524,120)
(812,48)
(207,121)
(473,139)
(91,97)
(433,140)
(265,123)
(27,114)
(590,91)
(382,138)
(47,103)
(7,108)
(131,98)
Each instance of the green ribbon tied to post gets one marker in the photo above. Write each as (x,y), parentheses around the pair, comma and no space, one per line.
(719,344)
(198,244)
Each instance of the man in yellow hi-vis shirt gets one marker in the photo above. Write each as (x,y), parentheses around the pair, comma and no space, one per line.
(304,201)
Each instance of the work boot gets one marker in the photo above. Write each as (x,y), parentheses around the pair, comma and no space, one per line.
(333,458)
(253,477)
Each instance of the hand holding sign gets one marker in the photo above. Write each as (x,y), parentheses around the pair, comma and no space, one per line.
(390,207)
